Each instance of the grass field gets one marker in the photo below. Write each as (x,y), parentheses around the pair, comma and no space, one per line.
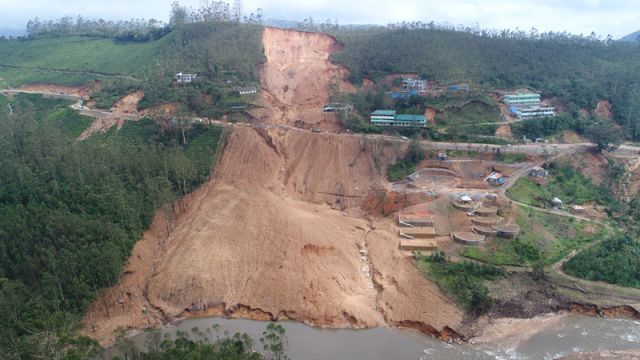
(29,60)
(543,237)
(565,183)
(473,112)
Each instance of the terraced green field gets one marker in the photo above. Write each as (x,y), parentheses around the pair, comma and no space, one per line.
(72,60)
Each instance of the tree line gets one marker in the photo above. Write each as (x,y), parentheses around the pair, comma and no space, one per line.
(141,30)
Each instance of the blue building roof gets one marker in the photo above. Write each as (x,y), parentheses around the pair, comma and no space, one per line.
(412,118)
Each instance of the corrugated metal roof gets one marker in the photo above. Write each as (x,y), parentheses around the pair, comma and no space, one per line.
(384,113)
(415,118)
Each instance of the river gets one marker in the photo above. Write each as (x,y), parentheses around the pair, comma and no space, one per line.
(575,333)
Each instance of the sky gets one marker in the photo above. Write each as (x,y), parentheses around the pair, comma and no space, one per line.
(615,17)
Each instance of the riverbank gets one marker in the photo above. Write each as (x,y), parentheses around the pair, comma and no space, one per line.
(545,337)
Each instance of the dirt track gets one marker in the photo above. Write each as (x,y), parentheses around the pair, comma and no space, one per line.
(277,232)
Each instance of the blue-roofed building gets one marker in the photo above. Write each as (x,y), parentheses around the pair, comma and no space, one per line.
(391,118)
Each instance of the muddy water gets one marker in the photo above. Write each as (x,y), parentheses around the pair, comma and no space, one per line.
(575,334)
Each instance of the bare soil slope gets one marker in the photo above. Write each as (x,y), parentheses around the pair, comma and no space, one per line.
(296,78)
(277,233)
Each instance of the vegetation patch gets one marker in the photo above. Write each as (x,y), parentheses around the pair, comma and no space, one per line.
(616,261)
(565,183)
(465,282)
(407,165)
(207,344)
(544,238)
(472,112)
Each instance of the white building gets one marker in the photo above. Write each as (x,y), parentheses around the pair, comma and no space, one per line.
(532,112)
(185,78)
(410,84)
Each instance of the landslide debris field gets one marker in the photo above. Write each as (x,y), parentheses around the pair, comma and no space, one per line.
(278,232)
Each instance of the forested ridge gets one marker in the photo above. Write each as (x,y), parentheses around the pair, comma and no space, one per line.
(576,70)
(70,212)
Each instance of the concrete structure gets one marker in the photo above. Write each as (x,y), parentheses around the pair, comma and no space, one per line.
(415,220)
(489,211)
(468,238)
(183,78)
(484,230)
(577,209)
(410,84)
(507,231)
(495,179)
(418,245)
(556,203)
(537,171)
(333,107)
(533,112)
(486,221)
(390,118)
(519,99)
(418,232)
(245,90)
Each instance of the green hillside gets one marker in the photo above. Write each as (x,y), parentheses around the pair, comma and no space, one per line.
(223,54)
(78,53)
(578,71)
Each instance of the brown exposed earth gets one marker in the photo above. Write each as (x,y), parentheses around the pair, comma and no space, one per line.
(296,79)
(504,131)
(124,109)
(604,109)
(279,233)
(71,90)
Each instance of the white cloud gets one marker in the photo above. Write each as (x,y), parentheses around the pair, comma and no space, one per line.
(616,17)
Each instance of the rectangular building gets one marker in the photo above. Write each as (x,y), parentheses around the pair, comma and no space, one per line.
(185,78)
(522,99)
(418,85)
(391,118)
(533,112)
(383,118)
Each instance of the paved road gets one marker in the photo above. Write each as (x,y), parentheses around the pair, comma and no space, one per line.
(531,149)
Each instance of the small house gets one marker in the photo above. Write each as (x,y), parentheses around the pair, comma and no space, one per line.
(183,78)
(495,179)
(245,90)
(577,209)
(537,171)
(466,199)
(556,203)
(410,84)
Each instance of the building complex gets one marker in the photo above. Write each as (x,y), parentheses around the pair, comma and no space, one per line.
(528,106)
(391,118)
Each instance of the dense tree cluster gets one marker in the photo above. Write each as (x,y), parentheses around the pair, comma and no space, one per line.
(616,261)
(132,30)
(71,211)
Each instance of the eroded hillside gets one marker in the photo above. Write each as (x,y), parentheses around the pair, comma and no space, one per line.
(296,77)
(277,233)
